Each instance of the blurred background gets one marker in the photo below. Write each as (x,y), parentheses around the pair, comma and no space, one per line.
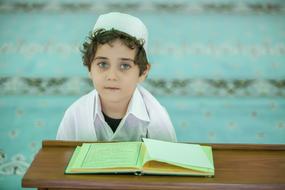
(217,66)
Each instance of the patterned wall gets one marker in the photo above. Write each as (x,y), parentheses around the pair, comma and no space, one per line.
(217,66)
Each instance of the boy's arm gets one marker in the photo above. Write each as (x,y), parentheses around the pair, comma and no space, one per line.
(170,127)
(66,129)
(161,128)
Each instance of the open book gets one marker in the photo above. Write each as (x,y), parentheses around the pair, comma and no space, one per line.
(147,157)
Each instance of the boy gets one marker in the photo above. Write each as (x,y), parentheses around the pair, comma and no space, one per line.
(118,109)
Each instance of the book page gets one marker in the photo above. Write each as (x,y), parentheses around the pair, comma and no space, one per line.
(73,159)
(143,157)
(180,154)
(112,155)
(155,167)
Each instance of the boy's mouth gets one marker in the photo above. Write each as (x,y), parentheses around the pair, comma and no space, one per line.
(111,88)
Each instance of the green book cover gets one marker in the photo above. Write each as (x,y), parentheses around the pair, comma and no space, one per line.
(148,157)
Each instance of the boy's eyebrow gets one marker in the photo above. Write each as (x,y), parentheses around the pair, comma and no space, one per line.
(127,59)
(122,58)
(100,57)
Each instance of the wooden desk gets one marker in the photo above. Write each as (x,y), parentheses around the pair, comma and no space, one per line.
(236,167)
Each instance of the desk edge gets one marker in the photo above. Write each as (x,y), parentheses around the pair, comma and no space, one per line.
(60,143)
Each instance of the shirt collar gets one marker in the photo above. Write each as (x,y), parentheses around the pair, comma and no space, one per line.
(98,109)
(136,107)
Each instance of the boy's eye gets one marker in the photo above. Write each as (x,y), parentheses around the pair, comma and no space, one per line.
(103,65)
(125,66)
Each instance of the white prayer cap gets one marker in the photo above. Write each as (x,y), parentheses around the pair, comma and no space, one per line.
(124,23)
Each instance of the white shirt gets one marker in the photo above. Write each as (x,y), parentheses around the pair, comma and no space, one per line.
(145,117)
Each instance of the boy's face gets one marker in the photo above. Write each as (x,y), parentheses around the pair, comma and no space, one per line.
(114,73)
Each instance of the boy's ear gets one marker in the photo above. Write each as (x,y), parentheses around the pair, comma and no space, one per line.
(89,74)
(145,73)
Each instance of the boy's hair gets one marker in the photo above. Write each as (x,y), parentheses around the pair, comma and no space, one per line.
(103,36)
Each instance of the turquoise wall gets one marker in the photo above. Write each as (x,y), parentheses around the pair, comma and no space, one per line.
(217,66)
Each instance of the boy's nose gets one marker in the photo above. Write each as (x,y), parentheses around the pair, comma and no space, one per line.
(112,74)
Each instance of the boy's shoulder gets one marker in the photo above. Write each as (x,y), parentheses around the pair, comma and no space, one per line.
(152,104)
(83,102)
(148,97)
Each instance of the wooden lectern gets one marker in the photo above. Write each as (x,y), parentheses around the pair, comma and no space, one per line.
(237,166)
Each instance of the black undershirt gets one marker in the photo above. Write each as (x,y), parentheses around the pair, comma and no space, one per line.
(113,123)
